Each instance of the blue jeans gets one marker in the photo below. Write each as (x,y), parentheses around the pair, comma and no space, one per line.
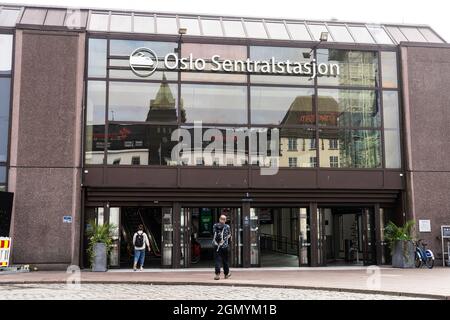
(139,256)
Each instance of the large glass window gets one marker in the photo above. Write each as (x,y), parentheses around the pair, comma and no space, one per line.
(191,25)
(97,57)
(233,28)
(281,54)
(298,31)
(218,146)
(391,121)
(142,113)
(356,148)
(211,28)
(206,52)
(5,88)
(2,177)
(140,144)
(95,122)
(120,23)
(255,29)
(214,103)
(389,69)
(6,41)
(131,101)
(348,108)
(357,68)
(277,30)
(282,106)
(144,24)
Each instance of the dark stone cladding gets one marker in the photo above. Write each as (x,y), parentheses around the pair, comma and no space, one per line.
(426,76)
(45,147)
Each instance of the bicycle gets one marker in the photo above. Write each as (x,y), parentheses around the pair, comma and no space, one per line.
(423,255)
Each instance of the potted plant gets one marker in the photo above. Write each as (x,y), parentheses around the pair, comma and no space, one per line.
(400,240)
(100,244)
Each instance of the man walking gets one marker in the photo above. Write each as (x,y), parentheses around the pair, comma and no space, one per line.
(222,234)
(140,242)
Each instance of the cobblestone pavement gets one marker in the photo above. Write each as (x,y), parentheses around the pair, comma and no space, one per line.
(176,292)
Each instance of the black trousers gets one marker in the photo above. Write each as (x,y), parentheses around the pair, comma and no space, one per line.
(221,258)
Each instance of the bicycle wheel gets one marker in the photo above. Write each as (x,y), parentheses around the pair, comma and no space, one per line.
(418,260)
(429,262)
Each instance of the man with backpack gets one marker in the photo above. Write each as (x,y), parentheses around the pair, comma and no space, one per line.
(140,242)
(222,234)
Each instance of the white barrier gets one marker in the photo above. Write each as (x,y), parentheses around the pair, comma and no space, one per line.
(5,249)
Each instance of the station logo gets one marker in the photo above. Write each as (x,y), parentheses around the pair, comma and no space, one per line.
(143,62)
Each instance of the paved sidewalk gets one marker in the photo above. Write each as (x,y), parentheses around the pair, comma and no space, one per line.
(424,283)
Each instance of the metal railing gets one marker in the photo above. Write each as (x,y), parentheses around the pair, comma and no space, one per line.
(280,244)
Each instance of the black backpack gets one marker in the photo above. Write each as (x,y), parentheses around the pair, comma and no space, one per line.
(139,242)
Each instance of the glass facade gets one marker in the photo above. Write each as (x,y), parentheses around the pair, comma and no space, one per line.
(6,50)
(248,118)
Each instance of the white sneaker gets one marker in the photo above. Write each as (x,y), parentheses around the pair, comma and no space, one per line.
(142,268)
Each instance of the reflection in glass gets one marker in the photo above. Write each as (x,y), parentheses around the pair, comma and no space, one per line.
(5,87)
(340,33)
(206,51)
(282,106)
(281,54)
(348,108)
(355,148)
(97,58)
(211,28)
(298,31)
(277,30)
(6,41)
(95,122)
(219,146)
(98,22)
(215,103)
(191,24)
(255,29)
(298,144)
(361,34)
(140,144)
(233,28)
(120,23)
(131,101)
(144,24)
(126,47)
(2,176)
(392,147)
(157,75)
(389,69)
(357,68)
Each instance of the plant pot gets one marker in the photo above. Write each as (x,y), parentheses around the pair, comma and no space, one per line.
(403,254)
(99,263)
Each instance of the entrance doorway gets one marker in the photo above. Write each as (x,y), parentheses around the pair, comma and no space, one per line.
(196,236)
(346,236)
(280,237)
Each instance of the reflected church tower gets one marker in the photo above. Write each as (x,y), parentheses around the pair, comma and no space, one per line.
(163,109)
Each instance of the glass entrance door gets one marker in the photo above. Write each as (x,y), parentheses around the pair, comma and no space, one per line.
(368,236)
(196,235)
(280,237)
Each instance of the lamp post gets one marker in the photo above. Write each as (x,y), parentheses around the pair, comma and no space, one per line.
(323,38)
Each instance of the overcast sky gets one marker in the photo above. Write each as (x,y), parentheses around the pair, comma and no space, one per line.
(431,12)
